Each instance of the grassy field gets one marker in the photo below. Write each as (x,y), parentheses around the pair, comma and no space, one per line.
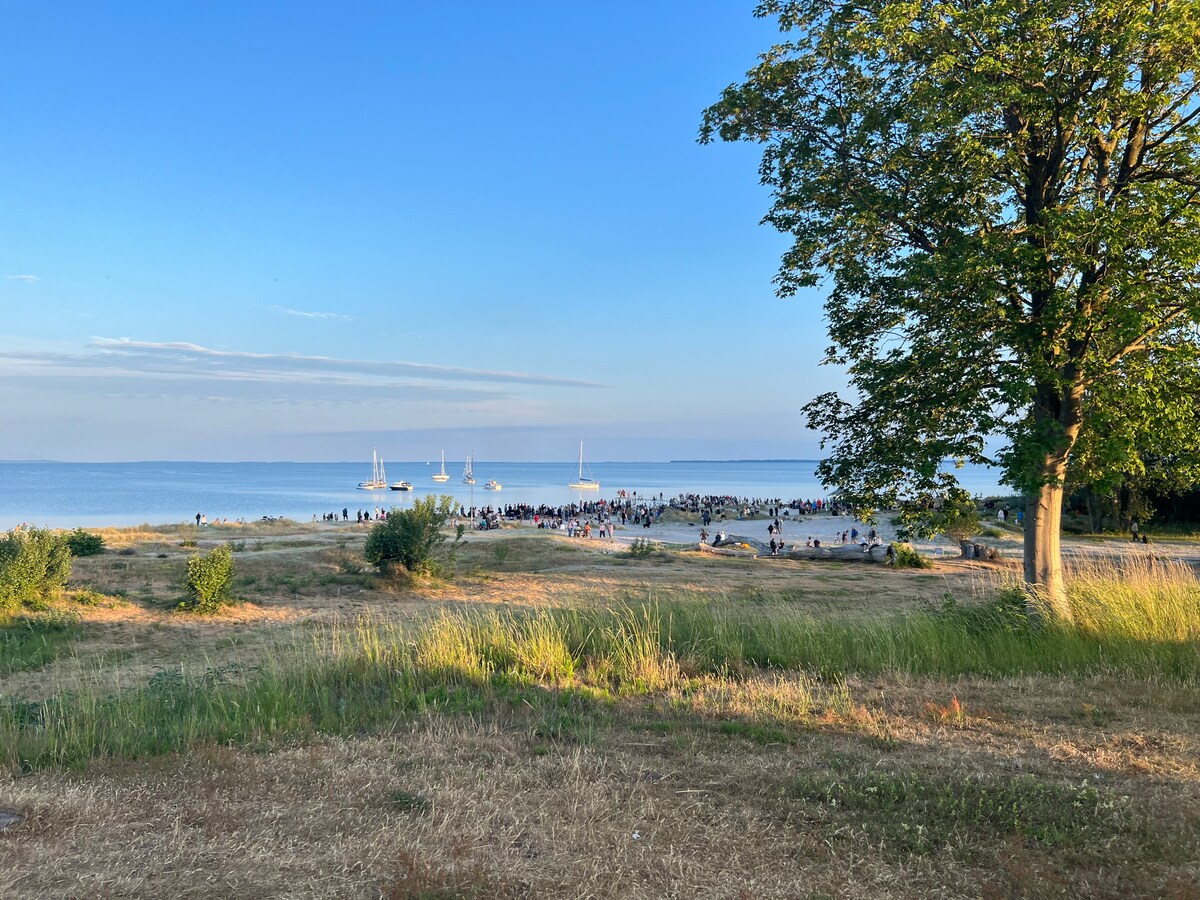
(558,720)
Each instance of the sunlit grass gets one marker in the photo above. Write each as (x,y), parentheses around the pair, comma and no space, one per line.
(1135,622)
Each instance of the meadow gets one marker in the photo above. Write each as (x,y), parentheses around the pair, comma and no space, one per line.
(560,718)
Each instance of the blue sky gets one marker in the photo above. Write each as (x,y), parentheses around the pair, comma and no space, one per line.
(289,231)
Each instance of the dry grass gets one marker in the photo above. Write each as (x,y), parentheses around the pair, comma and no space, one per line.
(655,802)
(768,784)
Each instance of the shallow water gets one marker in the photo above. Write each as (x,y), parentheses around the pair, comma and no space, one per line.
(94,494)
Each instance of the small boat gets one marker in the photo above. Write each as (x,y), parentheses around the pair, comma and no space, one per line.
(401,486)
(583,484)
(469,469)
(493,485)
(442,476)
(378,479)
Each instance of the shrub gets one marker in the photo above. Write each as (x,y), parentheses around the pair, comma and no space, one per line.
(209,577)
(34,565)
(642,548)
(903,556)
(411,537)
(84,543)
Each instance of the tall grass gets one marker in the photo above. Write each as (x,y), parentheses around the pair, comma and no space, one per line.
(1141,622)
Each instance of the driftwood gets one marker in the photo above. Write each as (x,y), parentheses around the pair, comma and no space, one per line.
(846,552)
(742,546)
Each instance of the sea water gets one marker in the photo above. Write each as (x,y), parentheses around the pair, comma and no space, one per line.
(64,495)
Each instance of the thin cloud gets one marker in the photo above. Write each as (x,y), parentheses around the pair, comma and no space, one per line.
(177,352)
(28,279)
(123,368)
(307,314)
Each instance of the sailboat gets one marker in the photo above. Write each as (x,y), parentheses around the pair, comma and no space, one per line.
(583,484)
(469,469)
(442,476)
(378,479)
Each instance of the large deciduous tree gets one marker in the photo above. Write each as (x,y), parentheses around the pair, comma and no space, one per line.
(1003,197)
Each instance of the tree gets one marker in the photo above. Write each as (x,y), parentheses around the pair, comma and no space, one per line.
(956,516)
(1005,197)
(410,537)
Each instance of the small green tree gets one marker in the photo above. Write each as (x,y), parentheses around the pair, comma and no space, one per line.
(411,537)
(34,565)
(209,577)
(84,543)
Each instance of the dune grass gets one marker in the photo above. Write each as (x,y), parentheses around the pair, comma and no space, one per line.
(30,640)
(1134,622)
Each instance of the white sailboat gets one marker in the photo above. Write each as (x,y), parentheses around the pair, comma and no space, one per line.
(378,478)
(583,484)
(442,476)
(469,469)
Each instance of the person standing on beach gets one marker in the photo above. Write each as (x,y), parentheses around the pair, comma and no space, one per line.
(197,520)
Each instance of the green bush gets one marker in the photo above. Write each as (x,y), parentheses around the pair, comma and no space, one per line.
(411,537)
(642,548)
(34,565)
(209,577)
(84,543)
(903,556)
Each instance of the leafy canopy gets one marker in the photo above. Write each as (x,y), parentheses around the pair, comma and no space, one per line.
(1003,195)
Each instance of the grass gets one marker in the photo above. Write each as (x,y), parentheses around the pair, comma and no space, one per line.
(913,813)
(576,723)
(367,677)
(30,641)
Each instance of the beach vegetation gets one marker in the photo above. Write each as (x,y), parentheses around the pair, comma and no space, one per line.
(85,543)
(30,640)
(837,707)
(1009,239)
(905,557)
(412,538)
(345,678)
(209,578)
(35,564)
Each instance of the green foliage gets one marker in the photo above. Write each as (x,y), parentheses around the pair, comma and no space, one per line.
(84,543)
(956,516)
(34,566)
(411,537)
(1002,199)
(209,577)
(905,557)
(641,548)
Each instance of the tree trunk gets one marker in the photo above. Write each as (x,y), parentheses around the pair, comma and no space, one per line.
(1043,553)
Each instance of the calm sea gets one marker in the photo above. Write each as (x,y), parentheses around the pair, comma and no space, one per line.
(63,495)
